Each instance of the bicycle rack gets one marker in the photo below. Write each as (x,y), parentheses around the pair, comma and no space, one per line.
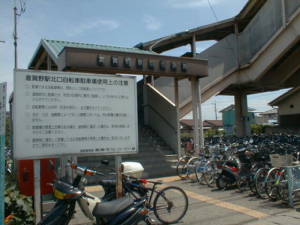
(293,173)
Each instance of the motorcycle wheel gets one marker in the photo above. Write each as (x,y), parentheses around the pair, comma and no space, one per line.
(221,182)
(241,185)
(146,221)
(252,187)
(63,219)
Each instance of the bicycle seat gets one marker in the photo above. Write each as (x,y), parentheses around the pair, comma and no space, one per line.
(156,182)
(111,208)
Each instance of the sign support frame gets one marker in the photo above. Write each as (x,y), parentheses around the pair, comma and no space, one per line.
(119,173)
(37,190)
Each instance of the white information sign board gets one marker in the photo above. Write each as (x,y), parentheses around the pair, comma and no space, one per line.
(64,113)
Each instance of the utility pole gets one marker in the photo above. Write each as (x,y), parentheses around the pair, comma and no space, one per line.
(16,14)
(15,35)
(216,113)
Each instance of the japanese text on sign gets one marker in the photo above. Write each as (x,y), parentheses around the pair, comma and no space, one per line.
(60,113)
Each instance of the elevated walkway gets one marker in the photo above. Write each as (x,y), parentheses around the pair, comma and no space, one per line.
(257,57)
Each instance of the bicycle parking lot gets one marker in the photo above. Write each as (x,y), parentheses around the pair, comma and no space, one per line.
(210,206)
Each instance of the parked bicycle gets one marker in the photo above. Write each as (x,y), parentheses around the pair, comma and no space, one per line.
(169,204)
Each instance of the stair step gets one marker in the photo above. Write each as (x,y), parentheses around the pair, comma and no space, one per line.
(157,158)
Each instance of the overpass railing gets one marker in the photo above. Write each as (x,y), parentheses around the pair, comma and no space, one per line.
(238,50)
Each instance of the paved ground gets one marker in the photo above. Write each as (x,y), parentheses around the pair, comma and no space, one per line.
(209,206)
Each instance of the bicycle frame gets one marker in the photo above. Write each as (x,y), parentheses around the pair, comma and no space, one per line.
(141,185)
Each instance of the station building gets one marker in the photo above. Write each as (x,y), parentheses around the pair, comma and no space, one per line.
(255,51)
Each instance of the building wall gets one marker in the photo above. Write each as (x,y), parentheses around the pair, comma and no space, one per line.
(228,118)
(229,121)
(290,105)
(266,118)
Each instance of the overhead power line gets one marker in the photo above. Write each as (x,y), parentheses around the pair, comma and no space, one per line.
(213,11)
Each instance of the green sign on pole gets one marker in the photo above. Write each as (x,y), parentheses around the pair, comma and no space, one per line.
(2,148)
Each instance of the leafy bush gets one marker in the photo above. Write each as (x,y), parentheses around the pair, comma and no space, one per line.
(18,208)
(257,129)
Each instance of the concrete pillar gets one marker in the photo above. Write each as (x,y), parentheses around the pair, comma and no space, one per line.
(193,45)
(195,108)
(201,134)
(196,102)
(177,115)
(145,104)
(242,120)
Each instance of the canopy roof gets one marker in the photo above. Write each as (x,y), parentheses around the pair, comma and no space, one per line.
(55,48)
(103,59)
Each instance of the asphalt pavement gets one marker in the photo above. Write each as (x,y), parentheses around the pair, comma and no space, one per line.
(209,206)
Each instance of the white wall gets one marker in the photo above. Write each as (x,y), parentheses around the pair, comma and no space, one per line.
(161,116)
(284,108)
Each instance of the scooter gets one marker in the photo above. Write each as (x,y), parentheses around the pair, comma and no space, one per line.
(122,211)
(235,172)
(228,175)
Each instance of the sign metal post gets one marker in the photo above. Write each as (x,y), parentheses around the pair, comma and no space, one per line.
(2,148)
(119,170)
(37,190)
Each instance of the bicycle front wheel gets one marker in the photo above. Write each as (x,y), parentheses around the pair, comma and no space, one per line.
(199,172)
(181,167)
(191,165)
(270,184)
(260,182)
(210,175)
(170,205)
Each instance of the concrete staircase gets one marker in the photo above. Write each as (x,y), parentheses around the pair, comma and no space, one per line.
(157,158)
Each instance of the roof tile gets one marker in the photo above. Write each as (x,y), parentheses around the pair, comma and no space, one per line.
(58,46)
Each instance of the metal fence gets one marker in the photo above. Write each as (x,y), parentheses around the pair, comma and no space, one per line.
(293,173)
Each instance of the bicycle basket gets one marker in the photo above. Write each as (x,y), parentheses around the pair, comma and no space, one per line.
(281,160)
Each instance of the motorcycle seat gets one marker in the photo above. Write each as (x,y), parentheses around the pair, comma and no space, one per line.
(112,207)
(108,182)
